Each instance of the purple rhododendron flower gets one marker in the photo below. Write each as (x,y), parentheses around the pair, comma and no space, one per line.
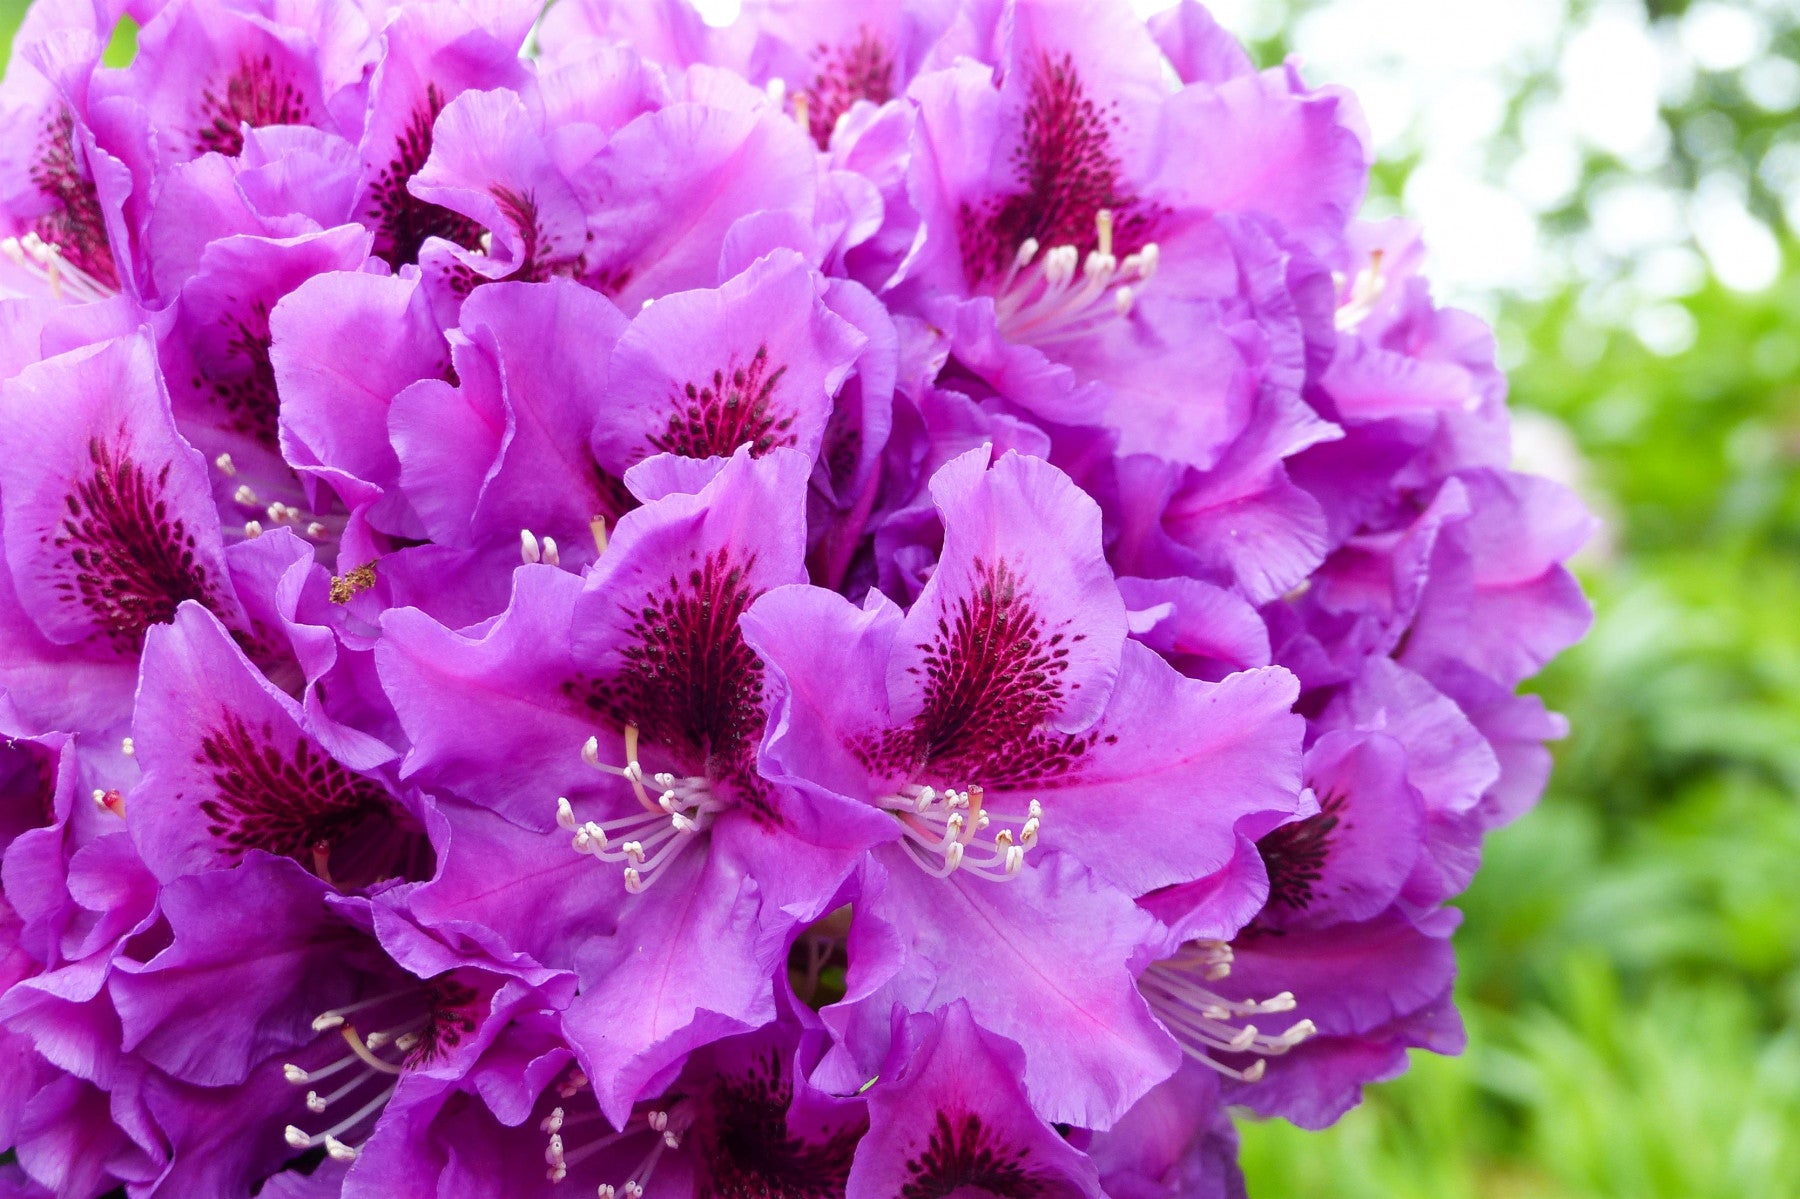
(885,599)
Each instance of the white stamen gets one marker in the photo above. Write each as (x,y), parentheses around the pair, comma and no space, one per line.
(128,747)
(245,495)
(253,528)
(528,547)
(550,555)
(226,466)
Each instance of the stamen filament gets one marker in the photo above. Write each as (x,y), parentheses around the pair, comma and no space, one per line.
(333,1018)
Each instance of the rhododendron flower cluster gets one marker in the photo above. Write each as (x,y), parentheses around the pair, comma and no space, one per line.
(892,598)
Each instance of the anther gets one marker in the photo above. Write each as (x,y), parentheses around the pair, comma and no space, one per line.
(253,528)
(528,547)
(245,495)
(226,466)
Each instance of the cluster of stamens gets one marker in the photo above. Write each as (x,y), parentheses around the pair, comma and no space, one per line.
(667,1125)
(360,1083)
(46,261)
(277,513)
(942,826)
(1205,1022)
(648,839)
(1056,295)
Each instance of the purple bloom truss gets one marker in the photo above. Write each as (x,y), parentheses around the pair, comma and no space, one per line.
(885,599)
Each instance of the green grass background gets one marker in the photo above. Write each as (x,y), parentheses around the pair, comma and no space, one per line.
(1631,955)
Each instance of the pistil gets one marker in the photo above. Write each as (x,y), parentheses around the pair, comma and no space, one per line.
(1365,292)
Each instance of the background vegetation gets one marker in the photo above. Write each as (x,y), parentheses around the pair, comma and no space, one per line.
(1631,956)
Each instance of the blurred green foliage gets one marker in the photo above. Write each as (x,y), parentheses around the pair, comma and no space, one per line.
(1631,955)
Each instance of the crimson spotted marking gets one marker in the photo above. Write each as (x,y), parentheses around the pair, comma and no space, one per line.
(135,561)
(750,1152)
(257,95)
(964,1152)
(861,69)
(735,406)
(1295,854)
(1066,172)
(75,224)
(403,222)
